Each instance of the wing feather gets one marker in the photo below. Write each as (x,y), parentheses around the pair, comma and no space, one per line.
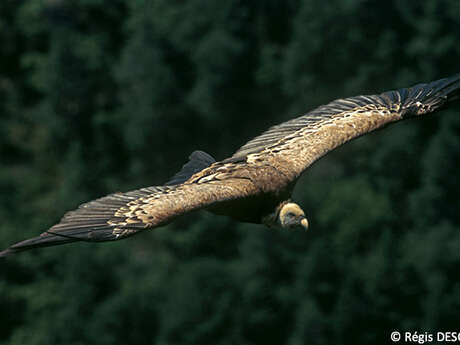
(121,215)
(301,141)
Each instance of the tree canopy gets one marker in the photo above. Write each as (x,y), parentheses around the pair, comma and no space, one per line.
(101,96)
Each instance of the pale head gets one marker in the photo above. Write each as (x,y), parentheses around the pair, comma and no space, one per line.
(291,215)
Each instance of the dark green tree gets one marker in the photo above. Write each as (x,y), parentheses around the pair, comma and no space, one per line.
(101,96)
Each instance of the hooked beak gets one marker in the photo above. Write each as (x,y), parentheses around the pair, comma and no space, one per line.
(304,223)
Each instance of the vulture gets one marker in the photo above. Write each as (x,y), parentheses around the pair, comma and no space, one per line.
(254,184)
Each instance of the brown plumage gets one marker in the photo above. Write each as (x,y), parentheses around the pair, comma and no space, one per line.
(253,185)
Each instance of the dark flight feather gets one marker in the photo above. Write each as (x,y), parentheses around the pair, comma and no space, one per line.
(121,215)
(417,100)
(91,222)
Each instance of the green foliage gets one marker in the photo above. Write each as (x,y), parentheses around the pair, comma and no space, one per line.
(98,96)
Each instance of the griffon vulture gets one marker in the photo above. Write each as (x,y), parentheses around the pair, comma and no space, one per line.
(253,185)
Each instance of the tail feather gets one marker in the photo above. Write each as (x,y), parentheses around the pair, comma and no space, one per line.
(198,161)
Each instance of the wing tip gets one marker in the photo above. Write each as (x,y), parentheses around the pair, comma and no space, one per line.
(6,252)
(427,97)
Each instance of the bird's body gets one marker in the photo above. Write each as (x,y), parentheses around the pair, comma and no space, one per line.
(256,183)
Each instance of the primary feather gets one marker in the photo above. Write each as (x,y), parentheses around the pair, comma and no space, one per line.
(406,102)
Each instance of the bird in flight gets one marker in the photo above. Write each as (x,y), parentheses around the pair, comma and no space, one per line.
(255,184)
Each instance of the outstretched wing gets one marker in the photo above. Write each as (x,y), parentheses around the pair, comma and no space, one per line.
(121,215)
(270,162)
(294,145)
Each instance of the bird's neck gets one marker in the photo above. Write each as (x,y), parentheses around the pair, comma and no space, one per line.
(272,219)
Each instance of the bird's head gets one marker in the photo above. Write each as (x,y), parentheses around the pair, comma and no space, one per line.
(291,215)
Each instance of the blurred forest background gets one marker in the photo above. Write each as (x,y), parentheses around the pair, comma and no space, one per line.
(100,96)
